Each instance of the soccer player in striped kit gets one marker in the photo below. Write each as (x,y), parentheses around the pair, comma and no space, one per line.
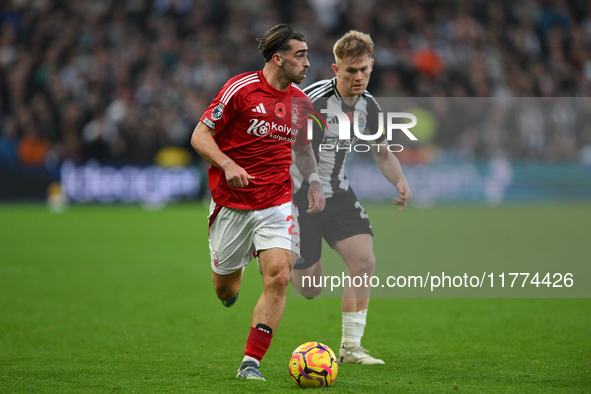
(344,223)
(248,134)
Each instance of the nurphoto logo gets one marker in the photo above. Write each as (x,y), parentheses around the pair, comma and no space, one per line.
(344,139)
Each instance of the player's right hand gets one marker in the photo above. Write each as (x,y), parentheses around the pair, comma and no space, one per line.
(316,199)
(236,176)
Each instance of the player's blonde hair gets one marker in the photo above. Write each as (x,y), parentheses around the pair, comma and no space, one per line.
(353,45)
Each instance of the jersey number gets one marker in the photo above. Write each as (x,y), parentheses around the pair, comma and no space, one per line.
(294,228)
(362,212)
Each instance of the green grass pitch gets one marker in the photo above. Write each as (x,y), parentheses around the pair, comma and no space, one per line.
(119,299)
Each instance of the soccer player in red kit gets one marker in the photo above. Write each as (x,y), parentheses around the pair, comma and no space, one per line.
(248,134)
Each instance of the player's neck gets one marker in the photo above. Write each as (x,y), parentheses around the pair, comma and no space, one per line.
(274,79)
(349,100)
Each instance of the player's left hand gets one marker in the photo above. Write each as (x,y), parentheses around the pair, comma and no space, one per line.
(316,200)
(405,195)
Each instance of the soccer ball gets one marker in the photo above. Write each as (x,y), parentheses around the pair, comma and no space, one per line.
(313,364)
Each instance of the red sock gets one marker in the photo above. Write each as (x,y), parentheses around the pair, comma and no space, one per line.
(257,343)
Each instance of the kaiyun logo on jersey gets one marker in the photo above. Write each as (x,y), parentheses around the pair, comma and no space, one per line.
(262,128)
(258,127)
(345,139)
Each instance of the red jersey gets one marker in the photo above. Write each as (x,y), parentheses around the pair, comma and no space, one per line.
(256,126)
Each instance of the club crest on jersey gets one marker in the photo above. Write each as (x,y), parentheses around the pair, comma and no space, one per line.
(217,112)
(361,119)
(294,113)
(280,110)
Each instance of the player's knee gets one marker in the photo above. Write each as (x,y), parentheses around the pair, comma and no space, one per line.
(227,286)
(308,285)
(221,294)
(310,292)
(365,265)
(225,291)
(278,279)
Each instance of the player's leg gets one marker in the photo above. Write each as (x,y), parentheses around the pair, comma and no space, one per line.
(357,253)
(276,266)
(308,281)
(350,234)
(307,273)
(227,287)
(268,312)
(274,240)
(231,248)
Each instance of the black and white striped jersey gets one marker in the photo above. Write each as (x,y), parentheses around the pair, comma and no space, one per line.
(331,161)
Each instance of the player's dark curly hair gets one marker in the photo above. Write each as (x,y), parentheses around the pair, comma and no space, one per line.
(276,39)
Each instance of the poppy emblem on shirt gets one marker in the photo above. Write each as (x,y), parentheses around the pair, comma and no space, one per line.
(280,110)
(217,112)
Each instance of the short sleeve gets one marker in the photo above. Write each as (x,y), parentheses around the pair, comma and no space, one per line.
(302,110)
(221,110)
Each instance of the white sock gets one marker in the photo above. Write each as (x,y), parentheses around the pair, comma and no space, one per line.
(353,327)
(248,358)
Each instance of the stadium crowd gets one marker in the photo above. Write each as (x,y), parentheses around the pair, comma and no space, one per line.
(118,81)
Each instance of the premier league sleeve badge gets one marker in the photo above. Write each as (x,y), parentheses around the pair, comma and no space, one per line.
(217,112)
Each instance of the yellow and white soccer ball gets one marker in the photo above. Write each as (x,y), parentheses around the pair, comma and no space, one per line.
(313,364)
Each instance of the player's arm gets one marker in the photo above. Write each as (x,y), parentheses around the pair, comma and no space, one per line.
(391,169)
(306,164)
(204,144)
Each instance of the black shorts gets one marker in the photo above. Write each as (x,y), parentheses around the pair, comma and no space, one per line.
(342,217)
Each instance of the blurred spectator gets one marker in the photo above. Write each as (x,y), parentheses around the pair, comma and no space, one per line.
(117,81)
(33,148)
(8,144)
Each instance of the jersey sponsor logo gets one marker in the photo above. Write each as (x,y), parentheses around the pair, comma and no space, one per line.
(260,109)
(209,123)
(280,110)
(260,128)
(217,112)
